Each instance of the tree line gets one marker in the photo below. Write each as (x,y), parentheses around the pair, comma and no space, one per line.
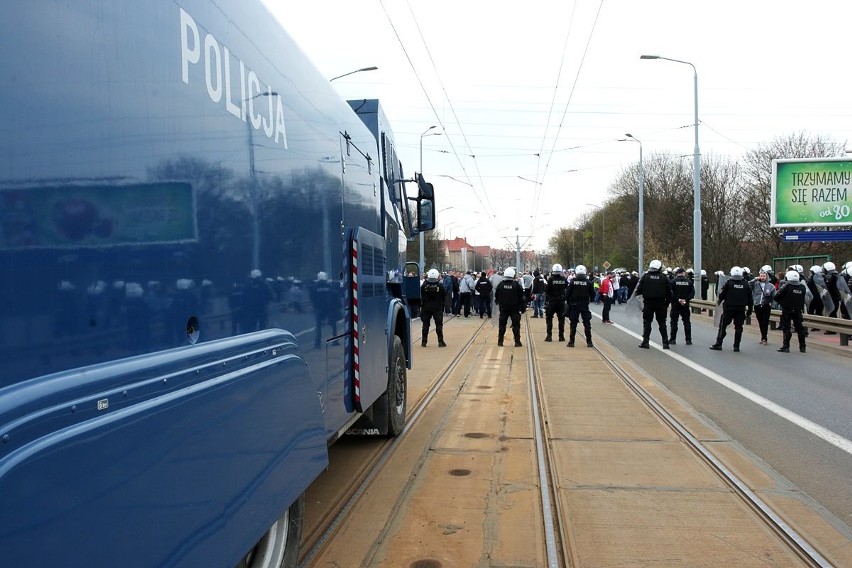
(735,211)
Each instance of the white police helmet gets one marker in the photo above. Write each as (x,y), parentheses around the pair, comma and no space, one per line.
(792,276)
(433,275)
(580,269)
(766,268)
(816,269)
(736,271)
(556,268)
(509,273)
(655,265)
(798,268)
(829,266)
(703,272)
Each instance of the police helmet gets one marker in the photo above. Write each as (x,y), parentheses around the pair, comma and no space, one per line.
(766,268)
(655,265)
(816,269)
(798,268)
(691,271)
(703,272)
(746,270)
(580,269)
(829,266)
(736,272)
(556,268)
(792,276)
(509,273)
(433,275)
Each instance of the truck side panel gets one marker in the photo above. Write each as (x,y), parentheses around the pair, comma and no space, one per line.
(139,447)
(173,183)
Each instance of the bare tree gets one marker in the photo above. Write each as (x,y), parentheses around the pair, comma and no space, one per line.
(722,228)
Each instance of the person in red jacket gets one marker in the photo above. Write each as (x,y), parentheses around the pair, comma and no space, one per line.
(606,291)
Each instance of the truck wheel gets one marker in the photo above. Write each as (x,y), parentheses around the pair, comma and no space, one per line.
(279,547)
(397,389)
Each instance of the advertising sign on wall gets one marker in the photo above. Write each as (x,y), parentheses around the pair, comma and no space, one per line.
(812,192)
(97,216)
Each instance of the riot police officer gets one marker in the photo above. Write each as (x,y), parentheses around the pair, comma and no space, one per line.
(510,298)
(737,297)
(554,292)
(579,292)
(433,295)
(792,300)
(656,291)
(683,291)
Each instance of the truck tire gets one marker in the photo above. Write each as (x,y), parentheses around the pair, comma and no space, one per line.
(279,547)
(397,393)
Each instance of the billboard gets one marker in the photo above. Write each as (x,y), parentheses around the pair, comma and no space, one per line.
(811,192)
(97,216)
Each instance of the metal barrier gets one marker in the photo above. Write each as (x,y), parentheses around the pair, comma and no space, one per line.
(841,327)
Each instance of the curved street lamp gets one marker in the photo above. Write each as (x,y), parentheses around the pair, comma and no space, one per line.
(641,204)
(373,68)
(696,177)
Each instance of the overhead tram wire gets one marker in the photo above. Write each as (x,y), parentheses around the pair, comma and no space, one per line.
(574,85)
(458,122)
(540,181)
(429,100)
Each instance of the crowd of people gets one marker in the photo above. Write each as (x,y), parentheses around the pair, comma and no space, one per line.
(665,295)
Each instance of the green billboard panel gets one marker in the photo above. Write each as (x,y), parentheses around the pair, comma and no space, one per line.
(812,192)
(97,216)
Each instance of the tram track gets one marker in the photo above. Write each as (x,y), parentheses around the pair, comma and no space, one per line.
(529,487)
(555,522)
(786,533)
(314,540)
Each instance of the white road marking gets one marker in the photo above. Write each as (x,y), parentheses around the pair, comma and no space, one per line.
(820,432)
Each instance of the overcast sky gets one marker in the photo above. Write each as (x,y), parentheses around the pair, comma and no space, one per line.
(544,89)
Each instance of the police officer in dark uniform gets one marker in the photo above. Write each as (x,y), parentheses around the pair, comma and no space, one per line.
(792,299)
(325,297)
(683,290)
(737,297)
(510,298)
(705,284)
(656,291)
(579,292)
(554,292)
(433,296)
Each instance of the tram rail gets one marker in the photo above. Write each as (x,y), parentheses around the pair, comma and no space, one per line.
(313,541)
(404,478)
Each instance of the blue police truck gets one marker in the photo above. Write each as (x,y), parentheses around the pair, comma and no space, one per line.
(202,282)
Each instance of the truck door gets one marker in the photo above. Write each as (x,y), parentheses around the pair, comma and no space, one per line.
(368,352)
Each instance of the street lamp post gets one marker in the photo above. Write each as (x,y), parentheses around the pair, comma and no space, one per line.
(696,178)
(641,206)
(422,235)
(373,68)
(255,219)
